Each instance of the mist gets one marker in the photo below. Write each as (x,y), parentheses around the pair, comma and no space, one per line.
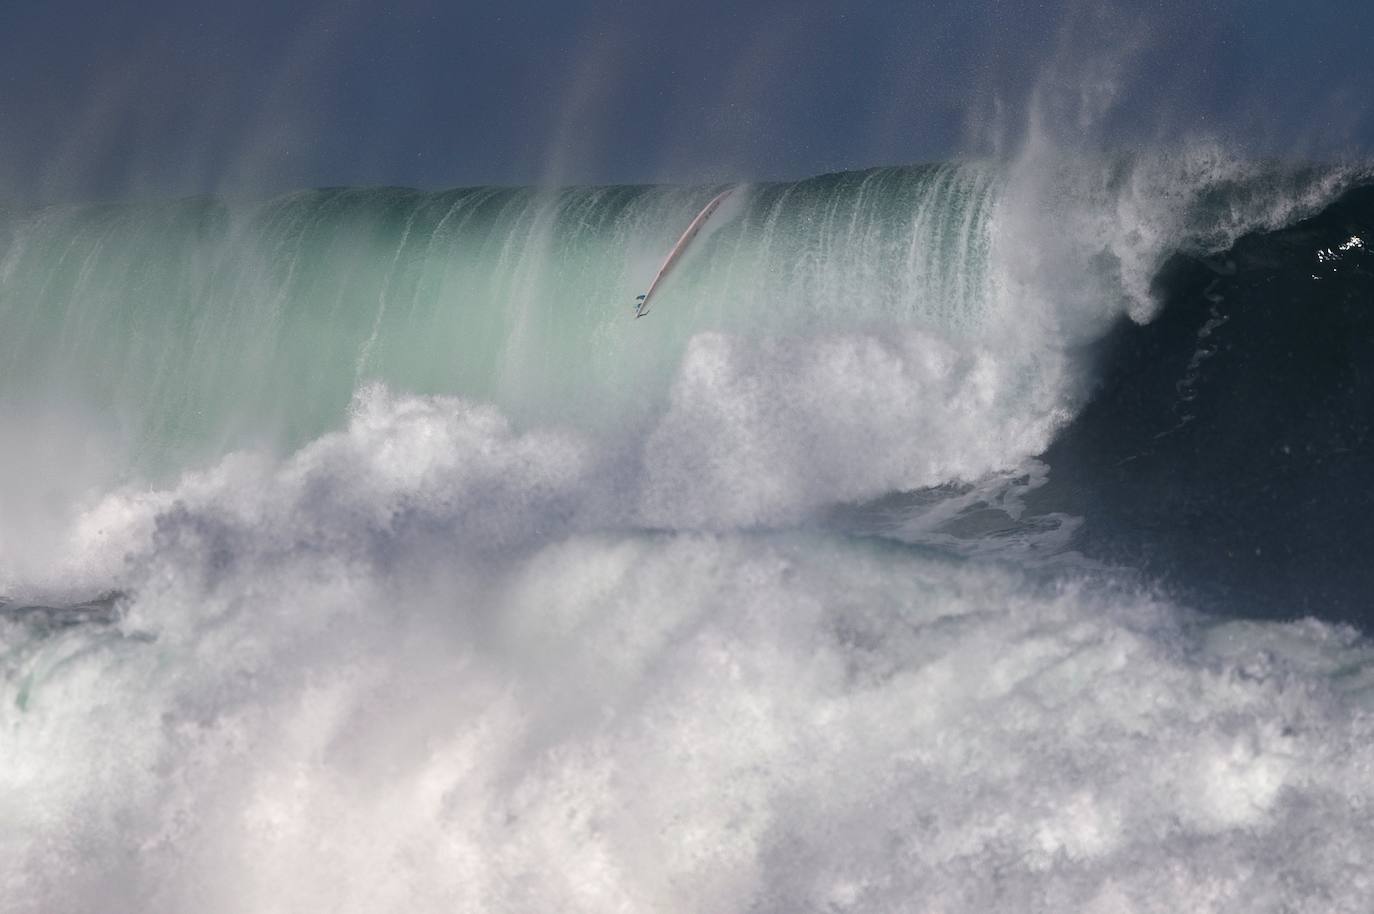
(170,99)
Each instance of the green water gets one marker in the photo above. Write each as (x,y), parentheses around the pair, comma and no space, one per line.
(194,326)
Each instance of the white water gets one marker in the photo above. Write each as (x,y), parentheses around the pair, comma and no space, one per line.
(436,661)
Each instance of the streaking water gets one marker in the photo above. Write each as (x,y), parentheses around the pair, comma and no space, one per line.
(179,318)
(509,602)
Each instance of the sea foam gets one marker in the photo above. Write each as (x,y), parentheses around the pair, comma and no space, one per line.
(417,666)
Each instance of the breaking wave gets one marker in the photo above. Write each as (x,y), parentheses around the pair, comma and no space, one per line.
(364,554)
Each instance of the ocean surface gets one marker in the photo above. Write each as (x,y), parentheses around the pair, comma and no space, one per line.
(966,537)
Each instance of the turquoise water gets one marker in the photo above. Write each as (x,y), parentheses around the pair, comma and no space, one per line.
(203,323)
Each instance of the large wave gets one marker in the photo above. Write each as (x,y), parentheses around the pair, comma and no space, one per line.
(432,580)
(202,324)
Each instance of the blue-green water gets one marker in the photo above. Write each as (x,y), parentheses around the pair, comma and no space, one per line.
(204,320)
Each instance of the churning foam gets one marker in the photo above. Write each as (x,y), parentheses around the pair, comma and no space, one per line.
(422,666)
(763,433)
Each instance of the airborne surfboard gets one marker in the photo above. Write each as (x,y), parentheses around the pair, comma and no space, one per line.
(642,301)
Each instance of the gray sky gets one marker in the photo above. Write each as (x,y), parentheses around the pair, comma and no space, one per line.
(102,99)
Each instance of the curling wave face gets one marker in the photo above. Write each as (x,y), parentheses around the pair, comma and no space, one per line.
(213,324)
(503,600)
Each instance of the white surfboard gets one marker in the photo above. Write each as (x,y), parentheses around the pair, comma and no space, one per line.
(642,301)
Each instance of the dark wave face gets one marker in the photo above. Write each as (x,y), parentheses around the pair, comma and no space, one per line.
(1227,448)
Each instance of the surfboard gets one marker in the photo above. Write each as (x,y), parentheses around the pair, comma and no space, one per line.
(642,301)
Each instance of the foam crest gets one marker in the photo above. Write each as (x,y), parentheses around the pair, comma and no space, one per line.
(1078,237)
(761,433)
(756,433)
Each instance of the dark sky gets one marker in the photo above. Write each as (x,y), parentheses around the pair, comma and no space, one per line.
(102,99)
